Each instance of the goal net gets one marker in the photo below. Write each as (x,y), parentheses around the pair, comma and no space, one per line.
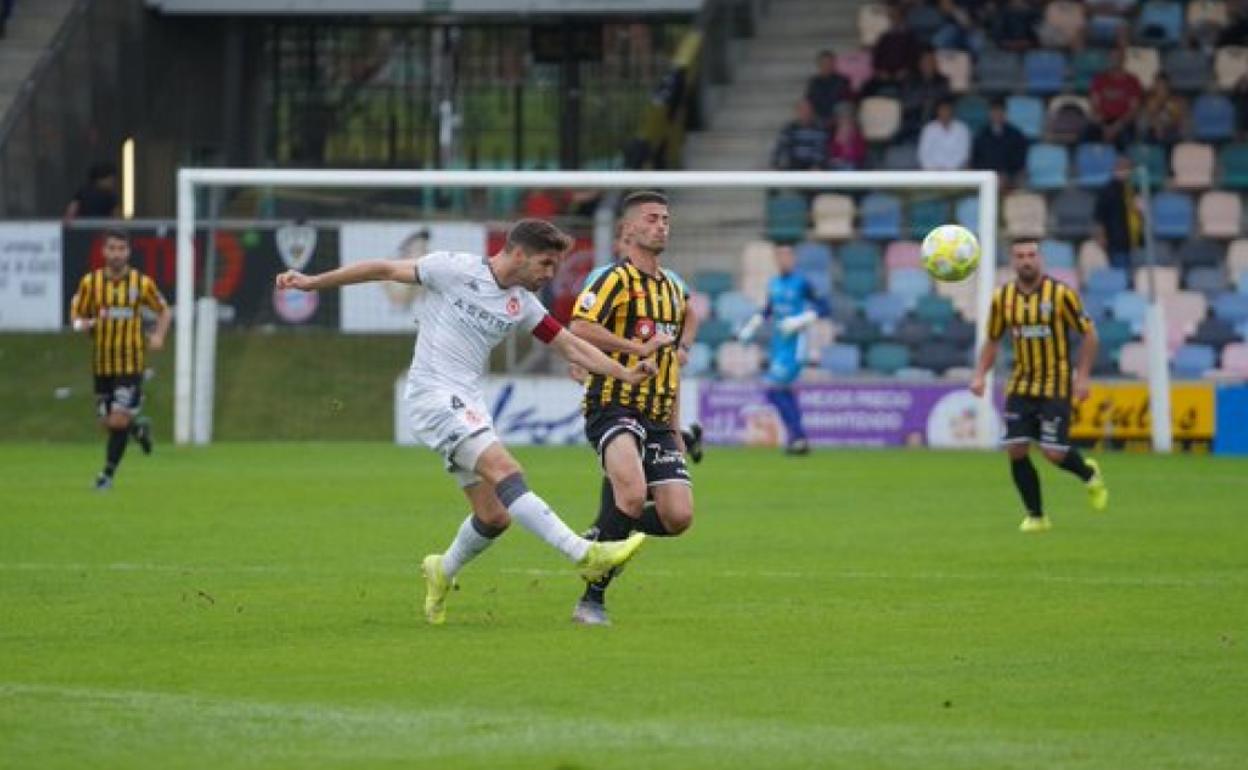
(887,364)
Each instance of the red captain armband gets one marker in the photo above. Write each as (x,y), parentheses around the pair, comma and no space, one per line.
(547,329)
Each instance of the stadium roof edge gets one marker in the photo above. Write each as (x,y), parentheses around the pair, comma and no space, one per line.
(431,8)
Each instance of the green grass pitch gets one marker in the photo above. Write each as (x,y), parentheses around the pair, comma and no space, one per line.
(256,606)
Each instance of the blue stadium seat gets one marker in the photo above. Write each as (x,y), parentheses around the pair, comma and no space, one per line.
(1096,305)
(926,214)
(1210,281)
(881,216)
(859,254)
(1159,23)
(713,282)
(1189,69)
(715,332)
(813,257)
(841,359)
(820,281)
(1152,157)
(1046,166)
(998,71)
(1044,71)
(1172,215)
(1114,334)
(700,360)
(1085,65)
(734,307)
(1094,164)
(1201,252)
(860,283)
(966,213)
(1073,213)
(1192,361)
(886,310)
(1213,118)
(1231,307)
(1026,113)
(1131,308)
(1106,281)
(787,217)
(1233,161)
(1104,29)
(972,109)
(934,310)
(909,283)
(1058,254)
(887,357)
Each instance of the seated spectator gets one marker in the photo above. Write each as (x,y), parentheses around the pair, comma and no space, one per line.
(1013,27)
(999,146)
(1119,221)
(98,197)
(945,143)
(802,144)
(1163,116)
(827,88)
(958,29)
(896,54)
(1116,97)
(920,95)
(847,149)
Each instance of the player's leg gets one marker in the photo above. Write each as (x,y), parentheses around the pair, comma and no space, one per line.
(482,527)
(117,400)
(667,478)
(1055,443)
(1021,427)
(781,374)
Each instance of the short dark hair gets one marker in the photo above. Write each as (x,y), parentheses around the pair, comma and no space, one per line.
(114,233)
(635,199)
(1024,239)
(535,236)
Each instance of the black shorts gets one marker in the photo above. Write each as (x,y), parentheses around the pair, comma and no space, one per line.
(121,392)
(661,457)
(1043,420)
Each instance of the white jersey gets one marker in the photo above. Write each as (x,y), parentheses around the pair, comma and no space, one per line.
(463,315)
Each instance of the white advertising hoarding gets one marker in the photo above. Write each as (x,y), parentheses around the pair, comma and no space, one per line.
(30,276)
(389,306)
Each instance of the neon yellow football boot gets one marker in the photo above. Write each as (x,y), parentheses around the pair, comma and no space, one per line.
(601,558)
(1035,524)
(1098,493)
(437,586)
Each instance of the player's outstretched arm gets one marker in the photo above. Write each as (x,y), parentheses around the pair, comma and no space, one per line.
(583,354)
(400,270)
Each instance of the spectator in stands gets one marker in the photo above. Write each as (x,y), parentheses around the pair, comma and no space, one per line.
(98,197)
(896,54)
(1000,146)
(920,95)
(1119,221)
(958,29)
(945,143)
(847,149)
(827,88)
(803,143)
(1013,27)
(1163,116)
(1116,97)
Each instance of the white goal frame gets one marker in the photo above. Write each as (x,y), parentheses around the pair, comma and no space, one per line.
(192,416)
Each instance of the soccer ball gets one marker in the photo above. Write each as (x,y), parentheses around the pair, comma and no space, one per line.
(950,253)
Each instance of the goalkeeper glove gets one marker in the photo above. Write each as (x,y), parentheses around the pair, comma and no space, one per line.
(796,323)
(751,326)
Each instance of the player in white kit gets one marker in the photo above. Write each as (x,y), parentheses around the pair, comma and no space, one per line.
(471,304)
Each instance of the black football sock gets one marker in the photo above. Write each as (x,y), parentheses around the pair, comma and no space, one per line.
(650,523)
(611,524)
(1028,483)
(1073,462)
(116,449)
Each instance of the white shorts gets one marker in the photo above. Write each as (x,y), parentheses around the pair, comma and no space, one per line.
(456,426)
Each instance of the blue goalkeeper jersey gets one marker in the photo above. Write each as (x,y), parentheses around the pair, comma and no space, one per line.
(788,296)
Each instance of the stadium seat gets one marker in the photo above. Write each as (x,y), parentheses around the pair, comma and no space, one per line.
(1091,258)
(860,284)
(1210,281)
(715,331)
(961,294)
(1106,281)
(881,216)
(859,254)
(1206,19)
(1113,334)
(1094,164)
(1064,21)
(786,218)
(859,331)
(1189,69)
(1201,252)
(1164,278)
(1044,71)
(1057,254)
(735,308)
(1235,359)
(700,360)
(1233,162)
(840,359)
(886,310)
(1184,309)
(1067,117)
(1213,118)
(901,157)
(1231,307)
(1066,275)
(713,282)
(738,361)
(1230,65)
(873,22)
(1026,214)
(966,212)
(1152,157)
(813,257)
(956,66)
(1130,308)
(925,214)
(909,283)
(1026,113)
(940,356)
(960,333)
(903,254)
(998,71)
(856,67)
(700,304)
(1219,214)
(1073,213)
(913,333)
(1192,163)
(1192,361)
(820,281)
(935,311)
(1237,257)
(923,20)
(1133,360)
(1085,65)
(1215,333)
(887,357)
(1105,29)
(834,216)
(1144,63)
(880,117)
(1046,166)
(1159,23)
(972,109)
(1172,215)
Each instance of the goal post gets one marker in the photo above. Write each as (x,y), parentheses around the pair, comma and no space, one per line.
(191,180)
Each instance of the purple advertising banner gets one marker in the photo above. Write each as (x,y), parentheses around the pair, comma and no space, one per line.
(846,414)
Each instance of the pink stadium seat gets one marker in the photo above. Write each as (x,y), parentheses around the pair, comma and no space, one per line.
(961,294)
(856,67)
(1230,65)
(1167,280)
(1219,213)
(1192,165)
(955,65)
(903,254)
(1144,63)
(1067,275)
(1133,359)
(1091,257)
(1237,258)
(738,361)
(1026,214)
(1235,359)
(700,304)
(880,117)
(1184,309)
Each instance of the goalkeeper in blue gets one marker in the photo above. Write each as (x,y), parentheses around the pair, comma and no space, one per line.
(792,306)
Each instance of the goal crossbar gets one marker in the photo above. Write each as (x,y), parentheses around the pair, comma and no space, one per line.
(190,180)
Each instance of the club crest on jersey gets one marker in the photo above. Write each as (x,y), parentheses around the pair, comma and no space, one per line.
(513,306)
(296,244)
(644,328)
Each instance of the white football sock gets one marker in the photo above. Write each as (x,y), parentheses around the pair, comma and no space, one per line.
(536,516)
(467,545)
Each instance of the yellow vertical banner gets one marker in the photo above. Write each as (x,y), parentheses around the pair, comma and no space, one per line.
(1121,411)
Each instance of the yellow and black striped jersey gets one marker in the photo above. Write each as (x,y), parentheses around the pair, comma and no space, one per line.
(114,305)
(1039,323)
(634,305)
